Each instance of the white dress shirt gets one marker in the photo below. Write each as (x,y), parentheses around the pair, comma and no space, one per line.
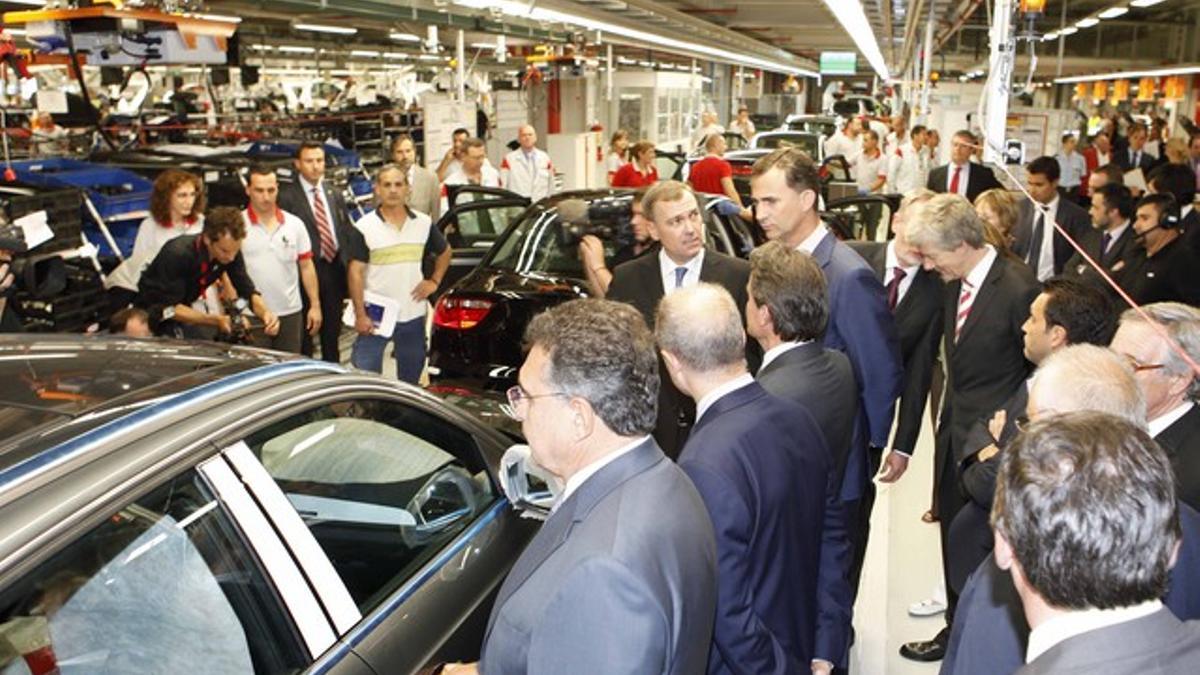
(892,262)
(1044,265)
(1160,424)
(590,470)
(667,267)
(308,194)
(715,395)
(841,144)
(978,274)
(814,239)
(779,350)
(964,178)
(1065,626)
(1115,234)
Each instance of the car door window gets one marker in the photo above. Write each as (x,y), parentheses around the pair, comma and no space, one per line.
(381,485)
(165,584)
(481,226)
(868,219)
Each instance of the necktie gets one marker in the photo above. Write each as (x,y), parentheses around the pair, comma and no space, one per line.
(680,273)
(1035,245)
(954,180)
(893,288)
(1137,157)
(964,308)
(328,248)
(1104,242)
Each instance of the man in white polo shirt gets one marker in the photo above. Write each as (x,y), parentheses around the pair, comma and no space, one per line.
(527,170)
(385,262)
(279,258)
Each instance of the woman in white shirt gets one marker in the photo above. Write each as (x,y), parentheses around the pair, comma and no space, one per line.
(618,149)
(176,208)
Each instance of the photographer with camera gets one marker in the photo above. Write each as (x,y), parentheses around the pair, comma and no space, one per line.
(591,248)
(172,287)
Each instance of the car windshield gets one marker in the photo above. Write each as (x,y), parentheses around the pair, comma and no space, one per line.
(806,142)
(543,243)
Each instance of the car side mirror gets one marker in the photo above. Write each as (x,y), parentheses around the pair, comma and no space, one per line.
(447,498)
(530,488)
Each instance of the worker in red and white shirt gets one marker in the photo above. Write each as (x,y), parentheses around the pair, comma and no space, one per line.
(474,170)
(527,170)
(279,258)
(908,166)
(870,167)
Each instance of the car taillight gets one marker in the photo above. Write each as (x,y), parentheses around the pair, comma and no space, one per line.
(742,169)
(460,313)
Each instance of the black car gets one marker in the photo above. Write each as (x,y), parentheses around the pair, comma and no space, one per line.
(479,322)
(175,507)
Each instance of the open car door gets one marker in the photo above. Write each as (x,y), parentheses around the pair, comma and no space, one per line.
(475,220)
(866,217)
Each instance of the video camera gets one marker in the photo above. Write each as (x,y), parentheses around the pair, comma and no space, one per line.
(242,322)
(41,276)
(608,218)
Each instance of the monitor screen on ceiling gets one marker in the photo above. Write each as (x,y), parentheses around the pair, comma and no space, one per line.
(839,63)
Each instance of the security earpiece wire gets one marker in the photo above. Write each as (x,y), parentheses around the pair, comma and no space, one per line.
(1158,327)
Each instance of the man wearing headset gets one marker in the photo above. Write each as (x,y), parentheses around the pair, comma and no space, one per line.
(1165,270)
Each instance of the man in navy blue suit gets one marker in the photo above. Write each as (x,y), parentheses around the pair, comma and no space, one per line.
(766,477)
(990,632)
(785,185)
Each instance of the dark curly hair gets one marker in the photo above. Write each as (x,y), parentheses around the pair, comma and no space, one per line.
(164,188)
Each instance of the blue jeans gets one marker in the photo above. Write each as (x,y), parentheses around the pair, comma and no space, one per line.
(408,340)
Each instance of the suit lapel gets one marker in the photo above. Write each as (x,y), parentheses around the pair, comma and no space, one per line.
(558,527)
(916,288)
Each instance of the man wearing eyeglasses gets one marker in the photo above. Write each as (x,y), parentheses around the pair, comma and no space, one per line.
(989,636)
(622,576)
(1169,384)
(677,222)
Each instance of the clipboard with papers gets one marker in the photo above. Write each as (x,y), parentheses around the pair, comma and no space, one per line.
(381,309)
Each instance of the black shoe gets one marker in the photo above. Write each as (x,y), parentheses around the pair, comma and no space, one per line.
(927,651)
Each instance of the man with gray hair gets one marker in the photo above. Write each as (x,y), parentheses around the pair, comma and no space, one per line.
(752,454)
(989,635)
(1088,574)
(528,170)
(986,301)
(1169,383)
(622,576)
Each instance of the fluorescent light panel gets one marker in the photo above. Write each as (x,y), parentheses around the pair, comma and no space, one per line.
(850,14)
(519,9)
(1113,12)
(321,28)
(1069,30)
(404,37)
(1129,74)
(1087,23)
(1144,3)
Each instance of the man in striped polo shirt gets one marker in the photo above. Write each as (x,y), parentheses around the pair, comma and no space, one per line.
(385,260)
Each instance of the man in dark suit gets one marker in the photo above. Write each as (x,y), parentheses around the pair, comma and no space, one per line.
(990,633)
(1134,155)
(914,295)
(962,176)
(1110,241)
(1088,615)
(986,301)
(1179,181)
(622,575)
(324,213)
(1066,312)
(1041,245)
(768,481)
(1169,384)
(785,185)
(675,221)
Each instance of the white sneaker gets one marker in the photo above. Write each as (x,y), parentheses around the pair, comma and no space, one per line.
(929,607)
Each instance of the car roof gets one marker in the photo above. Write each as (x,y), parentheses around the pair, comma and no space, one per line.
(56,387)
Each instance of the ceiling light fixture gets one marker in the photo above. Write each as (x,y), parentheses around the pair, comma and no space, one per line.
(1129,74)
(404,37)
(1069,30)
(850,14)
(369,53)
(322,28)
(1113,12)
(1087,23)
(1144,3)
(541,14)
(295,49)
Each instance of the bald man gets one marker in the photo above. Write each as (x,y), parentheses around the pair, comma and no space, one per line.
(749,454)
(527,170)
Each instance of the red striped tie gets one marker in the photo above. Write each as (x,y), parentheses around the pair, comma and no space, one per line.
(328,248)
(964,308)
